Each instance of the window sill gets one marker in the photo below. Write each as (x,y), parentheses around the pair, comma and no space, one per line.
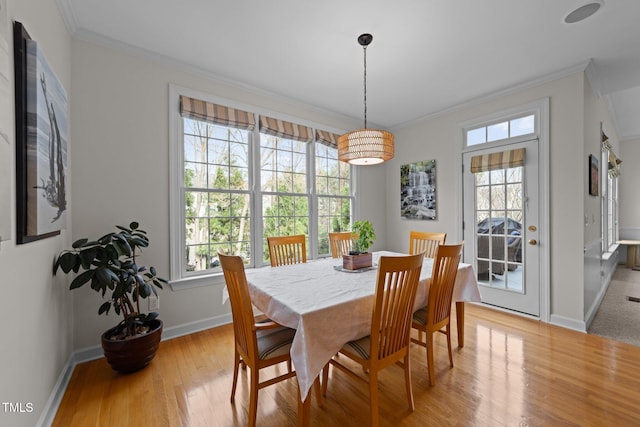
(612,250)
(197,282)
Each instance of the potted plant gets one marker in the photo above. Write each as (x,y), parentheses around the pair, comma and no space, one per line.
(109,265)
(364,236)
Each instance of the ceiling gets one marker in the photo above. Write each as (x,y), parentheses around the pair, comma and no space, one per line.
(427,56)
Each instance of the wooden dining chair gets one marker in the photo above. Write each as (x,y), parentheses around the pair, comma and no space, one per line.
(341,243)
(257,344)
(388,342)
(426,242)
(437,314)
(285,250)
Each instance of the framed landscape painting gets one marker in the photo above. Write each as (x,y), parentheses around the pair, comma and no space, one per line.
(41,142)
(418,190)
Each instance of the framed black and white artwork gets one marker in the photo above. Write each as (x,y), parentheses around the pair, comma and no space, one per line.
(41,142)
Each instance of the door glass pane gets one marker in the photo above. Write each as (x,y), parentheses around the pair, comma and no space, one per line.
(500,214)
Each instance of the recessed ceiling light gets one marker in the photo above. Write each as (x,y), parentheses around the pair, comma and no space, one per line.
(583,12)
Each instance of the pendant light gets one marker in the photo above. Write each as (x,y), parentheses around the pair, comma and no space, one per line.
(365,146)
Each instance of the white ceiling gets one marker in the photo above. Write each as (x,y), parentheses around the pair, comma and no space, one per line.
(427,55)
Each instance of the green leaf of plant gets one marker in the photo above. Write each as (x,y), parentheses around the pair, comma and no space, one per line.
(104,240)
(104,308)
(123,246)
(152,270)
(67,260)
(82,279)
(119,291)
(78,243)
(151,316)
(111,252)
(87,256)
(134,225)
(143,243)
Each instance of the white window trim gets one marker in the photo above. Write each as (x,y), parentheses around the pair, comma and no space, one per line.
(176,202)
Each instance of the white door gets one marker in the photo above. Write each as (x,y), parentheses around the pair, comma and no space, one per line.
(501,228)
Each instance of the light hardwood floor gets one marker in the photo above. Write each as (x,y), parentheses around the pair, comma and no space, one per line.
(512,372)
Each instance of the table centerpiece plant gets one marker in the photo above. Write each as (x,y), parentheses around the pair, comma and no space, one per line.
(364,236)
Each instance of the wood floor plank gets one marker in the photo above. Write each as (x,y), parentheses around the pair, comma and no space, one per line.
(512,371)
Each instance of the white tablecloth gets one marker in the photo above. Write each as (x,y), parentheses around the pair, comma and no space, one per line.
(329,307)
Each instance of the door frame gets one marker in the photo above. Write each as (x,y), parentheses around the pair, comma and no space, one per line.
(541,109)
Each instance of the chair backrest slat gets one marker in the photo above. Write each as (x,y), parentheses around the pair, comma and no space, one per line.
(425,242)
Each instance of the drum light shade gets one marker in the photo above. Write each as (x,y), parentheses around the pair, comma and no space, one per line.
(366,147)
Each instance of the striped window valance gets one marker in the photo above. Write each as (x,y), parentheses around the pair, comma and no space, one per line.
(284,129)
(327,138)
(214,113)
(502,160)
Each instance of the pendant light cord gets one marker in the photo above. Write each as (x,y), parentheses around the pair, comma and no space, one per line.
(365,86)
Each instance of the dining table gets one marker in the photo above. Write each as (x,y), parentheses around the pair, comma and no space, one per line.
(329,306)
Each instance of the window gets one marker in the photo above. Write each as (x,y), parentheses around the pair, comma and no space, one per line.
(284,187)
(609,205)
(505,129)
(239,177)
(332,182)
(216,193)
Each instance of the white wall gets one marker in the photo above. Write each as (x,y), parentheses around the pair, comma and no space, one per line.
(36,309)
(121,168)
(597,269)
(628,189)
(435,138)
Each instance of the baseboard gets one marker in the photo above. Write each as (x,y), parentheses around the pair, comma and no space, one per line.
(92,353)
(566,322)
(51,406)
(591,313)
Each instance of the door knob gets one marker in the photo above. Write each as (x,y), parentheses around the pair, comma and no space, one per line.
(533,242)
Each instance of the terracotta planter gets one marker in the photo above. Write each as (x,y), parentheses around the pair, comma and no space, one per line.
(356,262)
(134,353)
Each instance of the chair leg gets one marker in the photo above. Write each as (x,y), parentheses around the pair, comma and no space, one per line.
(325,379)
(253,400)
(448,333)
(317,389)
(429,340)
(236,364)
(373,396)
(407,381)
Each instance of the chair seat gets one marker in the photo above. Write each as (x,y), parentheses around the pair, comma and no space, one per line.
(274,342)
(420,316)
(359,348)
